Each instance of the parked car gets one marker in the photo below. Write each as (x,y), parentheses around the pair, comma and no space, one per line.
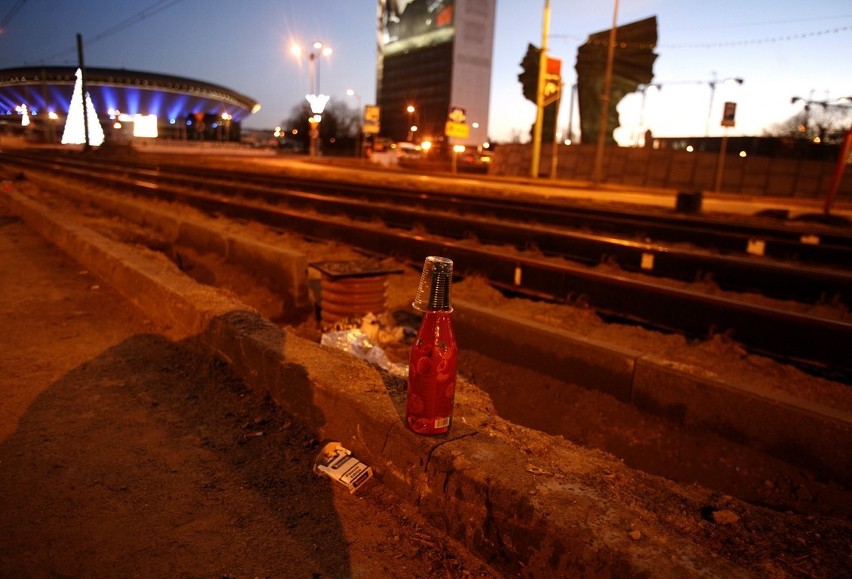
(474,161)
(408,151)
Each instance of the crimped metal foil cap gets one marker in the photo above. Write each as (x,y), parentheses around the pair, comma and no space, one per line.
(433,293)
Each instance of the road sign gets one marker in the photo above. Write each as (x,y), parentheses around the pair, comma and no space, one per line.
(456,125)
(728,115)
(457,115)
(372,114)
(552,81)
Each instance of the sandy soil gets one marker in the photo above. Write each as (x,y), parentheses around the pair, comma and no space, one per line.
(125,454)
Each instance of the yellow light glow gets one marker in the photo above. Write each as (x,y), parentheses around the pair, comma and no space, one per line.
(458,148)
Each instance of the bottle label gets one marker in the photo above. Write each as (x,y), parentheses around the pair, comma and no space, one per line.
(442,422)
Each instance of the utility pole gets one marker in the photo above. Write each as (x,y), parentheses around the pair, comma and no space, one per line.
(539,98)
(83,89)
(597,175)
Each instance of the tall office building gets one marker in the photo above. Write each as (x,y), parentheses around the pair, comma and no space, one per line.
(433,55)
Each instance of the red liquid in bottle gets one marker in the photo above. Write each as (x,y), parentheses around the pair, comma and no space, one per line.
(432,375)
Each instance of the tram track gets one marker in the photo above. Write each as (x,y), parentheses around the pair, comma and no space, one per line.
(802,242)
(520,225)
(805,339)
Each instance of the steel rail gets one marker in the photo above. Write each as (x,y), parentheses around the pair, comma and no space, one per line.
(808,340)
(730,272)
(801,242)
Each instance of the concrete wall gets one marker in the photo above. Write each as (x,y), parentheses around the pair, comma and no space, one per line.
(681,170)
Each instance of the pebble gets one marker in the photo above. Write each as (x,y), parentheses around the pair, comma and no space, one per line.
(803,494)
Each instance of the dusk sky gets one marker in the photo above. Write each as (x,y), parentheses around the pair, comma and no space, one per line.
(780,48)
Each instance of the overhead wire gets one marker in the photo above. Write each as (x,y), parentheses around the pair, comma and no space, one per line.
(11,14)
(716,44)
(155,8)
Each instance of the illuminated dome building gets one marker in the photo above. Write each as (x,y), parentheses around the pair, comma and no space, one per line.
(35,101)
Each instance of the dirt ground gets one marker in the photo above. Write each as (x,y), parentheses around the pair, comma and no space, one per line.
(201,409)
(124,454)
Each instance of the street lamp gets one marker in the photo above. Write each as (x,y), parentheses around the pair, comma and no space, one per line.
(319,49)
(357,95)
(828,106)
(316,99)
(643,90)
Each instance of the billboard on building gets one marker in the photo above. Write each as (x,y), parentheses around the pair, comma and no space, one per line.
(433,54)
(410,24)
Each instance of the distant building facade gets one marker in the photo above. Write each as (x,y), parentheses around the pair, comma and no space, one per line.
(179,108)
(434,55)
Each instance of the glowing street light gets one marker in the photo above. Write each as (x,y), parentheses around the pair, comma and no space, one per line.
(319,49)
(316,99)
(457,150)
(412,126)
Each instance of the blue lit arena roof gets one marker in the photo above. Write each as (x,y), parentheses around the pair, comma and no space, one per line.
(169,97)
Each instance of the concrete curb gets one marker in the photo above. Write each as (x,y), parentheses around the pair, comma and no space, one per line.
(790,428)
(285,268)
(486,493)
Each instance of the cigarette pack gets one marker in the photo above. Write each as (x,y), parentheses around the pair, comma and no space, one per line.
(339,465)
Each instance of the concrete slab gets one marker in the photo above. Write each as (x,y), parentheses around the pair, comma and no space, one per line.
(565,356)
(792,429)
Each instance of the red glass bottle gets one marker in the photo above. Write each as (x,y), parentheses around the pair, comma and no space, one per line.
(432,375)
(434,354)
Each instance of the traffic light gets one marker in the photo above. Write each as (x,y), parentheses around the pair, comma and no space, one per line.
(529,77)
(529,81)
